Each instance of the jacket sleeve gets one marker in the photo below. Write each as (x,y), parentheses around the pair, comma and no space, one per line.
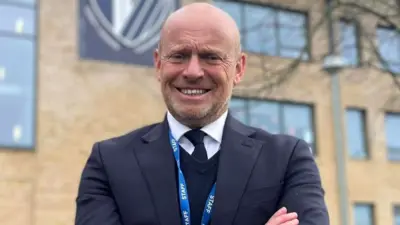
(95,204)
(303,192)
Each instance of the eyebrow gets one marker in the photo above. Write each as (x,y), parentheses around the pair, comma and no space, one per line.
(201,50)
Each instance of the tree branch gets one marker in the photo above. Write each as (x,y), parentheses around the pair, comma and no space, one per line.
(383,62)
(380,16)
(271,79)
(268,79)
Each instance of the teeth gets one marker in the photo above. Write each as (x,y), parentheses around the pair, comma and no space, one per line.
(193,91)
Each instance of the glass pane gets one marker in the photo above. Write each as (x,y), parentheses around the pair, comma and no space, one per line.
(348,34)
(17,64)
(356,134)
(16,121)
(292,37)
(30,2)
(389,42)
(396,215)
(298,122)
(263,43)
(16,92)
(18,20)
(265,115)
(395,67)
(238,109)
(291,19)
(350,54)
(392,130)
(363,214)
(233,9)
(258,17)
(348,42)
(259,30)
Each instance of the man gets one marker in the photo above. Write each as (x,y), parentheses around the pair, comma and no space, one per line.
(200,165)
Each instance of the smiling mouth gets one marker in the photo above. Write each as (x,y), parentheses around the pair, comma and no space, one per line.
(193,92)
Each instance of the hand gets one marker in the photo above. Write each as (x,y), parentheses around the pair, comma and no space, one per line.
(281,217)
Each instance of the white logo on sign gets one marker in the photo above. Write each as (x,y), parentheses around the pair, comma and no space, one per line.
(140,34)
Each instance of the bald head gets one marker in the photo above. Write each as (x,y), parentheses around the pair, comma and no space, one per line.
(199,49)
(200,15)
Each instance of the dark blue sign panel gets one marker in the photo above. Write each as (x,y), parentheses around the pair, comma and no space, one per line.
(124,31)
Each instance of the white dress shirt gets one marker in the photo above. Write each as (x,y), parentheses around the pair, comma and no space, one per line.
(212,140)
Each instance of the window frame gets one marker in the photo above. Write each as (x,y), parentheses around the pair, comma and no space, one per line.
(276,8)
(397,115)
(281,103)
(370,205)
(395,207)
(35,7)
(358,45)
(387,28)
(365,129)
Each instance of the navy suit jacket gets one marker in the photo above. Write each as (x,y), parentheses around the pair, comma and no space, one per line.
(131,179)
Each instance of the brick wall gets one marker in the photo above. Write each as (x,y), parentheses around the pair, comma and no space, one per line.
(80,102)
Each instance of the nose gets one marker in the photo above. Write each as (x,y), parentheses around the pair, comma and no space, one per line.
(194,69)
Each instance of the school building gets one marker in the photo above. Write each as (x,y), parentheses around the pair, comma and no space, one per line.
(76,72)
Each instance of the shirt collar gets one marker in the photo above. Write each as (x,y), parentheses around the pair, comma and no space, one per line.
(214,129)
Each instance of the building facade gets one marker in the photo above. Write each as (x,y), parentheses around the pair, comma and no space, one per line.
(73,73)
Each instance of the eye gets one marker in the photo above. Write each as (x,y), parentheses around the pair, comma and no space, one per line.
(177,57)
(211,58)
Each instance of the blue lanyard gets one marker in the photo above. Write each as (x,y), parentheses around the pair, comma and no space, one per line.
(183,195)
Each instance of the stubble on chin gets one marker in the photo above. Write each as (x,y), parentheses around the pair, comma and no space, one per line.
(196,117)
(190,116)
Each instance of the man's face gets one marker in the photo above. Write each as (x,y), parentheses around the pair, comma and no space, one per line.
(197,67)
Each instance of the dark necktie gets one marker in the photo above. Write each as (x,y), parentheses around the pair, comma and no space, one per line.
(197,138)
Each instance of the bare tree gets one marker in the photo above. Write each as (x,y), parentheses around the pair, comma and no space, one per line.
(386,12)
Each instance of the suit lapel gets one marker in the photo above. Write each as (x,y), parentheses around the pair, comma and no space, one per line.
(238,156)
(158,165)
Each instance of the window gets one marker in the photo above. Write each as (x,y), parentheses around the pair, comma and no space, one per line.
(350,42)
(276,117)
(396,215)
(356,134)
(389,47)
(392,129)
(363,214)
(17,73)
(269,30)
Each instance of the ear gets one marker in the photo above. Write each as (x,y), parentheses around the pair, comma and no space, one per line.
(157,62)
(240,69)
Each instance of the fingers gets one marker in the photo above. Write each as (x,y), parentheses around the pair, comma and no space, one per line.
(285,219)
(280,212)
(281,217)
(291,222)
